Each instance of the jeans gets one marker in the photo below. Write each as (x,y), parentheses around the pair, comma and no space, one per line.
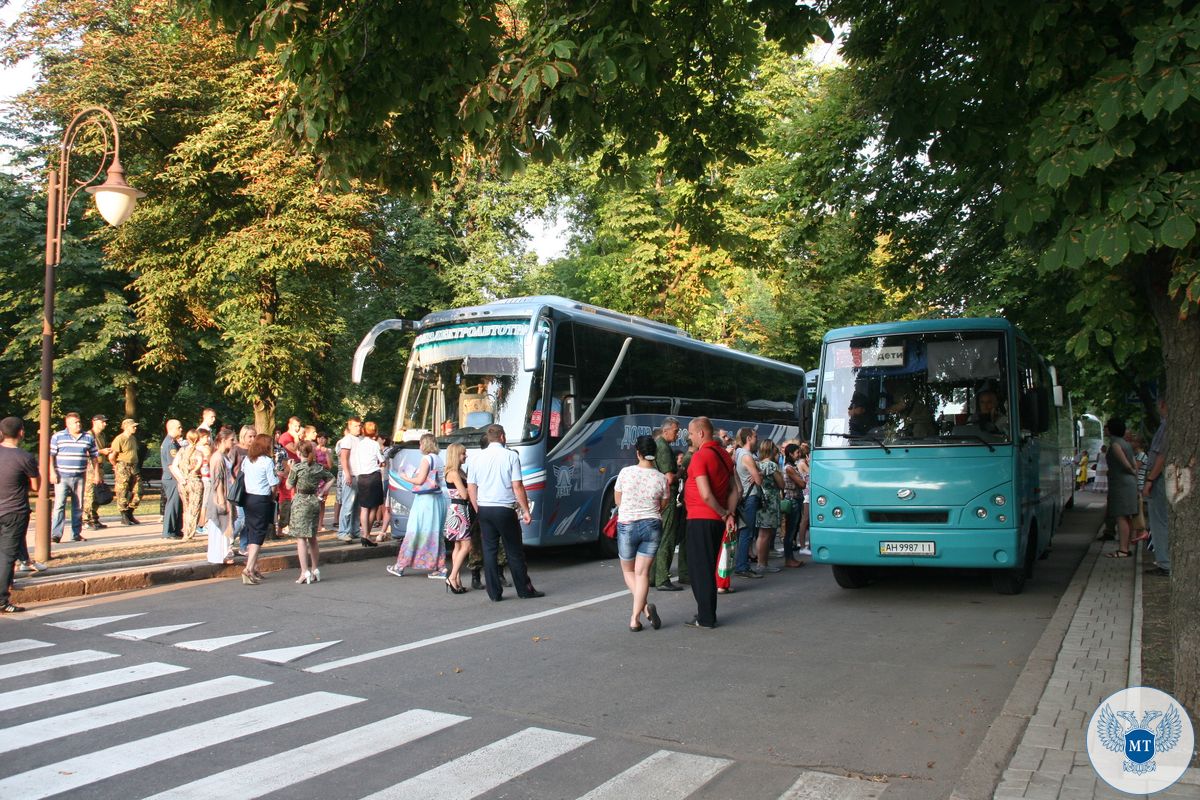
(239,527)
(748,534)
(348,524)
(638,538)
(1159,535)
(69,487)
(12,534)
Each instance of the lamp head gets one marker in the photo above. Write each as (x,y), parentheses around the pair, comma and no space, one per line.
(115,199)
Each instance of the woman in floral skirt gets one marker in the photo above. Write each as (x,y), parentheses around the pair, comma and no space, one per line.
(306,478)
(458,517)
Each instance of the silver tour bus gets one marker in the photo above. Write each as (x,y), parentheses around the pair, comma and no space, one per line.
(573,385)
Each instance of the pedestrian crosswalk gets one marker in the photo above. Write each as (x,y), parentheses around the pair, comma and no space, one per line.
(149,729)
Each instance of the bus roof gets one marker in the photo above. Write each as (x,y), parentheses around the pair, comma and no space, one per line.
(920,326)
(616,321)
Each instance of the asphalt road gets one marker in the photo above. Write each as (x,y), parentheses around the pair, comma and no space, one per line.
(805,690)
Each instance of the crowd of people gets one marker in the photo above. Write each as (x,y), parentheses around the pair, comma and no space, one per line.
(239,489)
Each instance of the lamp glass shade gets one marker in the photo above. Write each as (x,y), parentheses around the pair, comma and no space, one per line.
(115,203)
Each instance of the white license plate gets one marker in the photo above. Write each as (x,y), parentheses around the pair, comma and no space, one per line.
(907,548)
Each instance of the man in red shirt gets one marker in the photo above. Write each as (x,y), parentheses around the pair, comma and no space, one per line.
(711,498)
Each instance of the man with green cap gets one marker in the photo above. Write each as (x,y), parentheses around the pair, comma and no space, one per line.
(126,469)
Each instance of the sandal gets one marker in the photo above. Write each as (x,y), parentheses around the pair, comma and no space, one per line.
(1118,554)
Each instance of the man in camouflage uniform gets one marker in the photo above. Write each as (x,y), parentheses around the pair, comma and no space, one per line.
(91,511)
(127,469)
(664,460)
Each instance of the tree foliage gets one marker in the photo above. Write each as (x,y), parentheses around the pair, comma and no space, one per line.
(400,92)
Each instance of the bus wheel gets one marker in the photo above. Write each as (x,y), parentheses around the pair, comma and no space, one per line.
(605,547)
(1009,581)
(1012,581)
(849,577)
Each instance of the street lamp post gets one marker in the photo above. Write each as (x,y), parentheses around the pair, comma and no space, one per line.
(115,200)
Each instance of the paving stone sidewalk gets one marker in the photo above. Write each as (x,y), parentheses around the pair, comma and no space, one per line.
(1051,760)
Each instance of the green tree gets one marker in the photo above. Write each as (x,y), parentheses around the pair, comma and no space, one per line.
(400,92)
(1065,128)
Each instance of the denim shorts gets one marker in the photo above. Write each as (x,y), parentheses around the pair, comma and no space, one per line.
(638,538)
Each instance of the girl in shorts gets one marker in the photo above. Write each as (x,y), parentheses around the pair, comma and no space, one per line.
(641,495)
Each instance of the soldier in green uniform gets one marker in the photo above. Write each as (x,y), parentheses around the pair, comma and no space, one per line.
(91,511)
(671,515)
(127,469)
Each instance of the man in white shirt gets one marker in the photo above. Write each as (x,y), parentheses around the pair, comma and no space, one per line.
(348,526)
(497,492)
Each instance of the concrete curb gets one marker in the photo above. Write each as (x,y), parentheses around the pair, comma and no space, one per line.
(1135,632)
(145,576)
(981,776)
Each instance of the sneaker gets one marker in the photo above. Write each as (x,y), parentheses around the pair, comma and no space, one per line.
(36,566)
(1159,571)
(23,566)
(440,575)
(747,573)
(345,538)
(771,569)
(394,570)
(804,551)
(667,586)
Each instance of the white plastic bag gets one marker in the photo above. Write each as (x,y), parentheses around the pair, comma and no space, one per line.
(218,545)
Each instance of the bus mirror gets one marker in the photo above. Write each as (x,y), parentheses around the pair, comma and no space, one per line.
(806,419)
(1058,397)
(535,343)
(1029,411)
(1045,414)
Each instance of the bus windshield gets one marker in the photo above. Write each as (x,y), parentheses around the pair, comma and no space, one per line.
(462,378)
(914,389)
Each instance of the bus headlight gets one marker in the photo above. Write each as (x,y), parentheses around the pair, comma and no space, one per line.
(1002,518)
(981,512)
(822,500)
(999,500)
(837,513)
(820,517)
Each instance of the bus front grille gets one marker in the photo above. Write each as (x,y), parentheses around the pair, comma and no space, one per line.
(909,517)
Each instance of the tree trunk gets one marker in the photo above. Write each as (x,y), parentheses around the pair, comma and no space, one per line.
(1181,356)
(264,415)
(130,400)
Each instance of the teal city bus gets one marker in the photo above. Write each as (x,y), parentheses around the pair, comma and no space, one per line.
(938,443)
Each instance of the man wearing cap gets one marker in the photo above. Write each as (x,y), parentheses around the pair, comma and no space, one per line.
(91,511)
(126,469)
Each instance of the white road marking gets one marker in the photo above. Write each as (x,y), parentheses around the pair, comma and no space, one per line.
(666,775)
(823,786)
(72,686)
(484,769)
(21,645)
(209,645)
(91,622)
(87,719)
(287,654)
(302,763)
(73,773)
(142,634)
(52,662)
(446,637)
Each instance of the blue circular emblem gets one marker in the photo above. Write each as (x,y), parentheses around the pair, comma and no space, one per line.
(1140,740)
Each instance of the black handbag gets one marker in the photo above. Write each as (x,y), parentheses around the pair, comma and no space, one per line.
(103,494)
(237,492)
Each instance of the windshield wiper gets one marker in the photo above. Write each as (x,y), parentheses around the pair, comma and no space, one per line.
(863,437)
(973,436)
